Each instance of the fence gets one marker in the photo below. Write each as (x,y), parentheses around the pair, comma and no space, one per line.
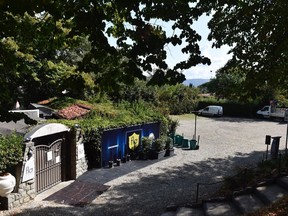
(268,169)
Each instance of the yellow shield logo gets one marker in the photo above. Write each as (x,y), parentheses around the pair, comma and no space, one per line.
(133,141)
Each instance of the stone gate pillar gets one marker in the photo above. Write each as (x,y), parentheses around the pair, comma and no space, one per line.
(78,162)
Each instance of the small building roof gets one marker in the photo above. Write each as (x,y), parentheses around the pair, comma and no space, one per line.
(45,129)
(74,111)
(40,106)
(44,111)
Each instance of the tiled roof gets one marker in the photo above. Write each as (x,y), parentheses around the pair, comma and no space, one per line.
(74,111)
(45,102)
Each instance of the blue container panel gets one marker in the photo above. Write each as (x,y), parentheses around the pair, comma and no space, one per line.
(115,142)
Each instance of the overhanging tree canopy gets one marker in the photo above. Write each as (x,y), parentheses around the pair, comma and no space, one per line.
(257,31)
(35,34)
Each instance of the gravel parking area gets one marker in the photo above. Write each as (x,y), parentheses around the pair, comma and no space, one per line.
(225,143)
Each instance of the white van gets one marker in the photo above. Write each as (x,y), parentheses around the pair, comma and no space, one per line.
(211,110)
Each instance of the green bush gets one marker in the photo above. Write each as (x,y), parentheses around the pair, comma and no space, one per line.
(231,108)
(146,143)
(159,144)
(11,151)
(172,125)
(111,115)
(169,143)
(92,146)
(178,98)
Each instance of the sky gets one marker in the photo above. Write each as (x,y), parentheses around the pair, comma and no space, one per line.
(218,57)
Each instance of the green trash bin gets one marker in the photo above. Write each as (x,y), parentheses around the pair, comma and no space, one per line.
(185,143)
(178,140)
(193,144)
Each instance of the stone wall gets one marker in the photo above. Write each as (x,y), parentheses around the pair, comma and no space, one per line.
(26,192)
(81,161)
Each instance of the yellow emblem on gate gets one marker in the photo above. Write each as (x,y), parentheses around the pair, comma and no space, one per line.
(133,141)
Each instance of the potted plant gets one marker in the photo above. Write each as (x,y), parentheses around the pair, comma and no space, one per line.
(169,149)
(158,148)
(11,154)
(111,163)
(145,147)
(118,162)
(7,184)
(172,126)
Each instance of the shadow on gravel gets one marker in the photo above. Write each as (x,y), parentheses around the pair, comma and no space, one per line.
(105,175)
(55,211)
(79,193)
(151,194)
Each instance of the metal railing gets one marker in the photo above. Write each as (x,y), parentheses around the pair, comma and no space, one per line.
(243,176)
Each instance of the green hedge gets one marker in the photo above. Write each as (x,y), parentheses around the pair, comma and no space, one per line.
(233,109)
(11,151)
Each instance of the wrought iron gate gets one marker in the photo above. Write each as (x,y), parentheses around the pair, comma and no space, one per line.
(48,165)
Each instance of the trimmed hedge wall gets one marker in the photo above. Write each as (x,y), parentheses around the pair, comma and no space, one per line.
(233,109)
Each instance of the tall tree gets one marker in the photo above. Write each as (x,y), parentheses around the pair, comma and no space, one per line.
(228,84)
(30,64)
(257,31)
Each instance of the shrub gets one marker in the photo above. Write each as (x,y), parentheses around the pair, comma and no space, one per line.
(169,143)
(11,151)
(159,144)
(146,143)
(92,146)
(172,125)
(178,98)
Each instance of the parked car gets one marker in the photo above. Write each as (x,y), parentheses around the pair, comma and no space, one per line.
(211,110)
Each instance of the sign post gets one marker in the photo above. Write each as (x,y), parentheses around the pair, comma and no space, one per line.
(267,142)
(286,119)
(195,127)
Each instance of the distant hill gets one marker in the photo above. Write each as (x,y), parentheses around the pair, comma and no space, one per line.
(195,82)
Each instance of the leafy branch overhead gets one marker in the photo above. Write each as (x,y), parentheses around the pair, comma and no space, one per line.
(40,44)
(257,32)
(87,47)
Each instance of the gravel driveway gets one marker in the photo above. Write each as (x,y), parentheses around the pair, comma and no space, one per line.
(225,143)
